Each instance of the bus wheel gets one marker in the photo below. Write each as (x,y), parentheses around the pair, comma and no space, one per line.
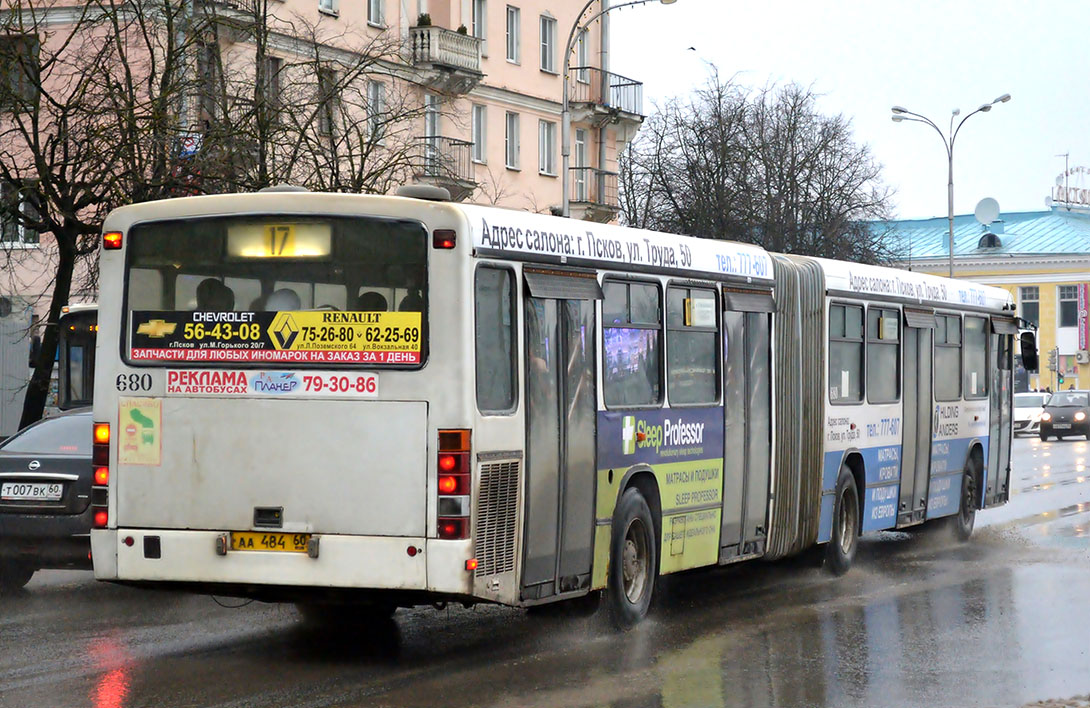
(633,561)
(840,551)
(963,522)
(14,575)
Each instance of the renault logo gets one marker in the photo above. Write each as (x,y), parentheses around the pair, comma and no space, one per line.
(34,464)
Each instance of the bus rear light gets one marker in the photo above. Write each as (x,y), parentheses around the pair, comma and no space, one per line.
(111,240)
(471,564)
(448,485)
(444,239)
(102,433)
(453,528)
(101,518)
(447,463)
(102,476)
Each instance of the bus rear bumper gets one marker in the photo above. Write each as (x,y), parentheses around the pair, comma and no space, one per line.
(191,557)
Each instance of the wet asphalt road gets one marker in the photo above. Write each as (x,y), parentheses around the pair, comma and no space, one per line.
(920,620)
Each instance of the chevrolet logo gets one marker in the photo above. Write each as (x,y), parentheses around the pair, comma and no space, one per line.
(157,328)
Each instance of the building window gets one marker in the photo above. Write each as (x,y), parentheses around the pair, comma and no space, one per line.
(327,99)
(432,162)
(548,44)
(883,348)
(582,58)
(975,378)
(374,12)
(19,72)
(271,86)
(511,141)
(947,357)
(512,34)
(480,133)
(546,147)
(632,338)
(495,338)
(845,353)
(580,181)
(479,20)
(376,107)
(208,76)
(692,357)
(1068,305)
(327,6)
(15,210)
(1030,297)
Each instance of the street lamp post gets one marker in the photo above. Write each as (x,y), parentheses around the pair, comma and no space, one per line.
(900,113)
(565,111)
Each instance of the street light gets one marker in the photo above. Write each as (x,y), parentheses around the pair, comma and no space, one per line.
(565,112)
(900,113)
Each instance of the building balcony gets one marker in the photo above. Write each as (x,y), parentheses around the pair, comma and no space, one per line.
(593,194)
(445,162)
(449,62)
(598,96)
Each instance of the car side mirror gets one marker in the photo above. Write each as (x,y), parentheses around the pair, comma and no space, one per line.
(1028,344)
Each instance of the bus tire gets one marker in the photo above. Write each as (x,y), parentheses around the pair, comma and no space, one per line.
(14,575)
(840,550)
(966,517)
(633,563)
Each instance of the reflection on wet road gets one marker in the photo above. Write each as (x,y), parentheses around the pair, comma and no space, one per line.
(919,621)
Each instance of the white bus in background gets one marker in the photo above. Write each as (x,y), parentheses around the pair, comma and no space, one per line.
(388,401)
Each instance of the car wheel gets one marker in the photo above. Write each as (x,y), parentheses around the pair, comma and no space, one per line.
(840,551)
(1042,436)
(1059,437)
(633,563)
(966,516)
(14,575)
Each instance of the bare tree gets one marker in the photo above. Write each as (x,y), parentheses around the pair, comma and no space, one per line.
(760,166)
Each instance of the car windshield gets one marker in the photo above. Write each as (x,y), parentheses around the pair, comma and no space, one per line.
(63,435)
(1029,400)
(1069,398)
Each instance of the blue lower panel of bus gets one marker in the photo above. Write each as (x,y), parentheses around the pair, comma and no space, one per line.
(883,482)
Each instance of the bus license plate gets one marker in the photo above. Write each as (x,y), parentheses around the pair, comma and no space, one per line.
(279,542)
(35,491)
(1062,426)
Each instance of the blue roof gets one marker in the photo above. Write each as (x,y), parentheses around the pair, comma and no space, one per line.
(1053,232)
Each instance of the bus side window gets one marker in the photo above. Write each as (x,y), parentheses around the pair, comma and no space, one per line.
(692,354)
(883,355)
(947,357)
(975,378)
(845,353)
(632,344)
(495,340)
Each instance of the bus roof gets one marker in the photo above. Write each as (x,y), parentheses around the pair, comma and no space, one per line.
(863,280)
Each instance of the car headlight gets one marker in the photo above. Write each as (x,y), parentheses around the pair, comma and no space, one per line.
(1046,416)
(1080,416)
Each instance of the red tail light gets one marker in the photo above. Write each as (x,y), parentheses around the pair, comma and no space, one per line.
(101,518)
(444,238)
(102,476)
(111,240)
(454,484)
(100,458)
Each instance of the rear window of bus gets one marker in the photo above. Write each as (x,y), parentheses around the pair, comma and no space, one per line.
(245,274)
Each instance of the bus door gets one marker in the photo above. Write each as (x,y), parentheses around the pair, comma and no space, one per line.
(1000,343)
(561,412)
(747,413)
(919,333)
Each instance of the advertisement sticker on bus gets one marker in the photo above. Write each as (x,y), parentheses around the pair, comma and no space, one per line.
(311,336)
(141,422)
(297,384)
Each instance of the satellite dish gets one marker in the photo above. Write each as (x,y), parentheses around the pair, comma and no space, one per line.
(987,210)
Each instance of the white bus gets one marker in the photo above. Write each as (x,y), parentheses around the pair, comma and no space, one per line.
(390,401)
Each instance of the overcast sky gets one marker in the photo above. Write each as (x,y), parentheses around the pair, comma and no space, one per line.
(926,55)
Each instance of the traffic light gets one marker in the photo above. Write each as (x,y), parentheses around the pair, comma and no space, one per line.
(1060,378)
(1053,355)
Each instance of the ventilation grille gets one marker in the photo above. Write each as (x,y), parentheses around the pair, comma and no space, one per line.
(497,512)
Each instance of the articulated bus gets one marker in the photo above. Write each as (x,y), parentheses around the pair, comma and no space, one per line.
(391,401)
